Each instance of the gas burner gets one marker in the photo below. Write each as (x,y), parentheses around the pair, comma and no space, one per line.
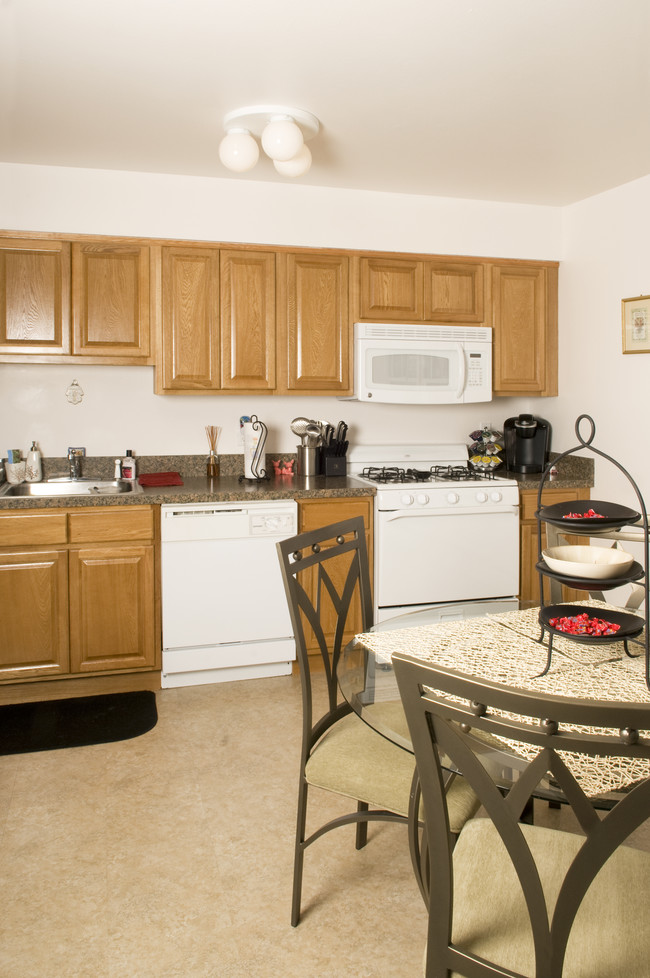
(418,475)
(459,473)
(384,474)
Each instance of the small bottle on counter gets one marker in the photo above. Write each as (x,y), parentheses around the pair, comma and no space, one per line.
(33,467)
(118,469)
(128,465)
(213,467)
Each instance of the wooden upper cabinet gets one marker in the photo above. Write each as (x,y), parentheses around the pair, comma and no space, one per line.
(34,297)
(110,300)
(391,289)
(524,317)
(454,292)
(314,340)
(187,356)
(247,320)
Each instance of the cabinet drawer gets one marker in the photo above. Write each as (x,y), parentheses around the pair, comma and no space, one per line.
(549,498)
(27,529)
(93,526)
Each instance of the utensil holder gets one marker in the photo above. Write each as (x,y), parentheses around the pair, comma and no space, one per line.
(307,462)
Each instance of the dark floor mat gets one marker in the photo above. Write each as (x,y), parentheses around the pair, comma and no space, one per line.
(76,722)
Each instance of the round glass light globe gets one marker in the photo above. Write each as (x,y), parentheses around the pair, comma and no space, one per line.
(296,167)
(238,151)
(282,139)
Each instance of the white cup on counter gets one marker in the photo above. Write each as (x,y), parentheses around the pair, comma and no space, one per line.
(15,471)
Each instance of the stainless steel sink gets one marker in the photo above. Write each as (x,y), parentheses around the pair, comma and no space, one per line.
(69,487)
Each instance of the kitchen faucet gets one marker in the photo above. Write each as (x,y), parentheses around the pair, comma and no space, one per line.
(75,456)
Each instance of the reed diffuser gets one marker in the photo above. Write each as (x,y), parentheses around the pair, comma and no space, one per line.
(213,432)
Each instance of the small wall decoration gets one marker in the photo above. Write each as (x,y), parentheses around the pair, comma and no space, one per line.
(636,324)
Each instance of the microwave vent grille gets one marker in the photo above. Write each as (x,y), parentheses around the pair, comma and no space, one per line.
(452,334)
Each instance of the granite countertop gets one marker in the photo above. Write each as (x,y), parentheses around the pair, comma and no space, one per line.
(197,488)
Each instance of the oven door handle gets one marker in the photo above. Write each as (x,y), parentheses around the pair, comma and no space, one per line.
(462,370)
(389,516)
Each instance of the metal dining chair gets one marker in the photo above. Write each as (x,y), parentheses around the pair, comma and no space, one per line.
(514,899)
(326,576)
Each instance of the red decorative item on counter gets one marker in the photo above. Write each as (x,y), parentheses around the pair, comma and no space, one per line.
(160,479)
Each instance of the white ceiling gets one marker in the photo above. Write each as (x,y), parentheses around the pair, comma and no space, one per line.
(529,101)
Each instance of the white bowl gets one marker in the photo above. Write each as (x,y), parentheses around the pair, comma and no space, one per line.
(590,563)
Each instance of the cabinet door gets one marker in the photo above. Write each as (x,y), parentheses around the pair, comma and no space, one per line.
(188,328)
(314,513)
(34,297)
(315,344)
(454,292)
(247,320)
(528,552)
(34,599)
(391,289)
(110,301)
(112,609)
(524,308)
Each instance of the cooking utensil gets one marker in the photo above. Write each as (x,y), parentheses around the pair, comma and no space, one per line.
(299,426)
(313,434)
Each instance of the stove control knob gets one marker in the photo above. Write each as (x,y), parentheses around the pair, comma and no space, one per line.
(406,500)
(422,499)
(496,496)
(453,497)
(481,497)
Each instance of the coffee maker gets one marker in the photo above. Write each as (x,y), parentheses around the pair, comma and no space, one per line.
(527,442)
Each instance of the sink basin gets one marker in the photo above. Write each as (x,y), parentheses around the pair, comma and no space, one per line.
(80,487)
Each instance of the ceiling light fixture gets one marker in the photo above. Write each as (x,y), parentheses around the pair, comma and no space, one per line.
(283,132)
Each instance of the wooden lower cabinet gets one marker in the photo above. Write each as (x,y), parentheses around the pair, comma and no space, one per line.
(34,602)
(84,606)
(111,609)
(529,595)
(315,513)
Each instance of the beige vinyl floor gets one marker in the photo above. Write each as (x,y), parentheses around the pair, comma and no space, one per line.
(170,855)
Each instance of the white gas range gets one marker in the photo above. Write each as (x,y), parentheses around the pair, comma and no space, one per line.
(446,538)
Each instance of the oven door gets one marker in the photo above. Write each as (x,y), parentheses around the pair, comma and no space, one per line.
(432,556)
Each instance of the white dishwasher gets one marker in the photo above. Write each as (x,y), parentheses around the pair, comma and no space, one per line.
(224,610)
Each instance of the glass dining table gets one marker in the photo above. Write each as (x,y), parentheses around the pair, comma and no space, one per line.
(503,648)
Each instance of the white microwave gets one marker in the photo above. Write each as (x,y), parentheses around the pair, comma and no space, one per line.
(412,364)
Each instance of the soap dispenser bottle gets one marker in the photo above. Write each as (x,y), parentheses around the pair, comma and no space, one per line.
(33,468)
(128,465)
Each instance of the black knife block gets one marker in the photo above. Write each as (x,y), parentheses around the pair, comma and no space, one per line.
(336,465)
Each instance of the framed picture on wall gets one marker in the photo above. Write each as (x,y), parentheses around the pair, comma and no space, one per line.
(636,324)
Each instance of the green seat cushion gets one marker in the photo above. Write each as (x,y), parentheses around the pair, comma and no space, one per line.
(354,760)
(611,935)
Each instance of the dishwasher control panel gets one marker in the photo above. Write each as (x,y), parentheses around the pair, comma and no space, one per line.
(272,524)
(229,520)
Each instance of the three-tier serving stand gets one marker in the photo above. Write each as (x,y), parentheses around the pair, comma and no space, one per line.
(614,522)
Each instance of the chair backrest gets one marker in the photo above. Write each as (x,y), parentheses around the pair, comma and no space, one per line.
(453,720)
(326,579)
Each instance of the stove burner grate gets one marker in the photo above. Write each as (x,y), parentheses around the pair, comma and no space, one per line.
(437,473)
(460,473)
(384,474)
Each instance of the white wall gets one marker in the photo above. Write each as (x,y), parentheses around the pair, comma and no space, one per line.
(606,259)
(119,409)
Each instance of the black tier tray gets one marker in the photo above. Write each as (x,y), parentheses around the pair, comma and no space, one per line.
(611,515)
(591,583)
(631,625)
